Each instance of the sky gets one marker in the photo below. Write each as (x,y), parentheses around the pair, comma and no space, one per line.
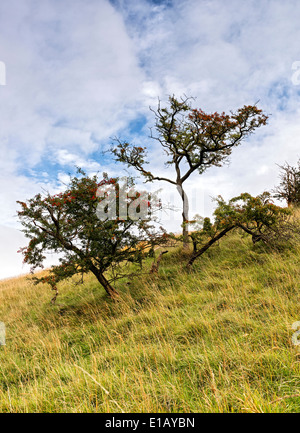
(76,73)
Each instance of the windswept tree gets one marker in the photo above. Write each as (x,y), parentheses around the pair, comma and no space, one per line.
(96,226)
(289,187)
(192,141)
(257,216)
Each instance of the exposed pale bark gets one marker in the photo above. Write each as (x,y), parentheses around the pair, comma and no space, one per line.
(185,215)
(193,141)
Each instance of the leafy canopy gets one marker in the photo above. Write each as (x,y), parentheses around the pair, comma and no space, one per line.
(67,223)
(192,141)
(256,216)
(192,138)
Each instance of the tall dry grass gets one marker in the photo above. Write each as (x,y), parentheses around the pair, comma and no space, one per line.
(216,339)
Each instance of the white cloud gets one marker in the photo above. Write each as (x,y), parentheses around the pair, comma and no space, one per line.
(63,157)
(11,261)
(78,72)
(71,73)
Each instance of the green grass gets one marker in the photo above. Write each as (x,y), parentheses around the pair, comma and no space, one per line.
(216,339)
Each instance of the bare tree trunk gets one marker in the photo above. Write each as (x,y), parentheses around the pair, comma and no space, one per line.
(98,274)
(185,231)
(205,247)
(110,290)
(185,215)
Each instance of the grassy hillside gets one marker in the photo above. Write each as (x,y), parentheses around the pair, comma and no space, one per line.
(217,339)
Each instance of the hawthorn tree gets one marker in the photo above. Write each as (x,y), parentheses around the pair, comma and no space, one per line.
(192,140)
(69,223)
(255,216)
(289,187)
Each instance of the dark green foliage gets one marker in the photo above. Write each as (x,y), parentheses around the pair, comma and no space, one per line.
(256,216)
(68,223)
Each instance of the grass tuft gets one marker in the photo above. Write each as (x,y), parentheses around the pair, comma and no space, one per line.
(215,339)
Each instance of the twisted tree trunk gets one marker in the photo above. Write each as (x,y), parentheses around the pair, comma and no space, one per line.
(205,247)
(110,290)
